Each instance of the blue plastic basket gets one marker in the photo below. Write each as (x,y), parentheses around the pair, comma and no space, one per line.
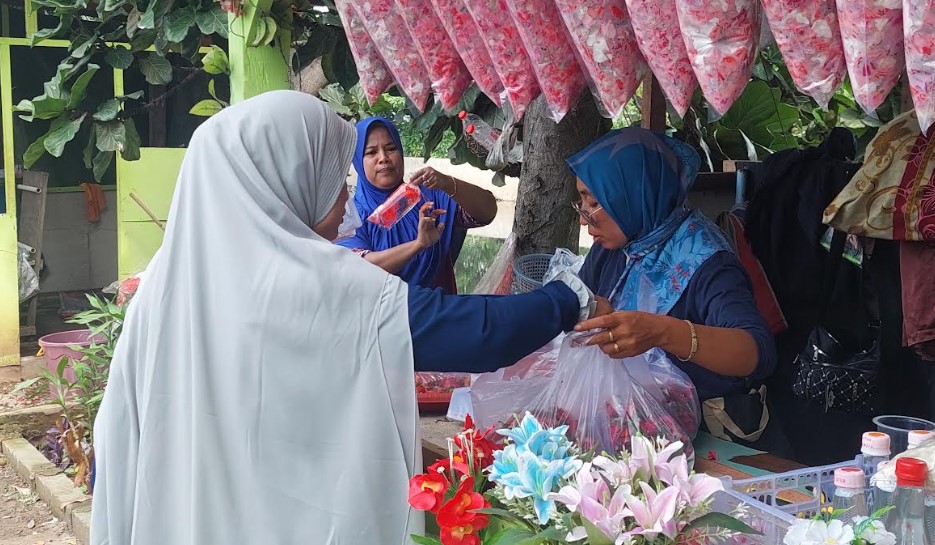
(528,272)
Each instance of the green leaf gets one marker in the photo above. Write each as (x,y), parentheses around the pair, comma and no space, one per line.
(80,88)
(83,48)
(321,40)
(35,151)
(212,91)
(760,116)
(101,163)
(179,22)
(429,118)
(206,108)
(595,535)
(338,66)
(64,22)
(62,132)
(157,70)
(108,110)
(131,143)
(215,62)
(89,149)
(545,536)
(721,520)
(510,536)
(41,108)
(143,40)
(25,384)
(434,136)
(119,58)
(110,135)
(502,513)
(425,540)
(148,20)
(212,21)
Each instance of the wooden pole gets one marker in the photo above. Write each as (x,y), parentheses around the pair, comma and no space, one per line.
(653,105)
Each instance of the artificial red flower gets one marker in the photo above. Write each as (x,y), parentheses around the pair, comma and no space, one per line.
(482,447)
(427,491)
(456,462)
(458,512)
(462,534)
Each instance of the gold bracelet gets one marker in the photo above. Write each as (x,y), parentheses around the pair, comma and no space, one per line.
(694,350)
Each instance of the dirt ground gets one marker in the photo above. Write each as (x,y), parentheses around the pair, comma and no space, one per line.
(24,519)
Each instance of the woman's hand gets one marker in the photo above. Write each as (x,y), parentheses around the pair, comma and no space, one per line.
(430,178)
(626,333)
(429,232)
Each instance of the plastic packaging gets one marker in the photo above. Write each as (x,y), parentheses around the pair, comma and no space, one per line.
(874,449)
(562,260)
(384,22)
(809,38)
(450,77)
(441,383)
(498,279)
(375,77)
(488,137)
(721,39)
(909,515)
(457,20)
(506,50)
(606,45)
(915,438)
(553,57)
(28,279)
(872,32)
(660,40)
(849,491)
(919,33)
(396,206)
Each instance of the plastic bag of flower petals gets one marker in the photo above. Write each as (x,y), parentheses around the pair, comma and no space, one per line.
(606,45)
(660,40)
(919,29)
(808,36)
(553,58)
(375,77)
(388,30)
(507,52)
(457,20)
(450,77)
(396,206)
(872,32)
(721,39)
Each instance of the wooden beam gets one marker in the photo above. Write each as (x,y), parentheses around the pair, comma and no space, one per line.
(653,105)
(9,291)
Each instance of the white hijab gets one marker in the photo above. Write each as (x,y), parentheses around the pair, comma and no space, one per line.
(262,391)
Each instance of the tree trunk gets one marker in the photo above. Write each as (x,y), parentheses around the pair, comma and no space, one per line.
(544,218)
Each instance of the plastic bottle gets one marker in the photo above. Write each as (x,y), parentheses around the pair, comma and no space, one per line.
(916,437)
(875,448)
(850,491)
(881,495)
(909,518)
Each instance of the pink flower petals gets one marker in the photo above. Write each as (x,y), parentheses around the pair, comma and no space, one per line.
(872,32)
(457,20)
(375,77)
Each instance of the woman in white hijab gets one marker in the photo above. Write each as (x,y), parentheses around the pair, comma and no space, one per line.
(262,391)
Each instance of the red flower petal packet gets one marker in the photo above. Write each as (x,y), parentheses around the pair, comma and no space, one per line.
(919,31)
(506,49)
(553,57)
(872,32)
(388,30)
(375,77)
(457,20)
(809,38)
(721,39)
(660,40)
(450,77)
(396,206)
(606,45)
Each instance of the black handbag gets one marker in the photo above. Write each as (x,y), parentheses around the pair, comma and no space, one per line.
(842,376)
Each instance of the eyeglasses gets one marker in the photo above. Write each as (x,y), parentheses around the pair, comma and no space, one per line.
(588,216)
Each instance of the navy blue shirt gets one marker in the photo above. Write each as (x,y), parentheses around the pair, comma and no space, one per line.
(718,295)
(482,333)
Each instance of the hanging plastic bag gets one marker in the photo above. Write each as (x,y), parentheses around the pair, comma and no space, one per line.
(919,31)
(509,56)
(553,57)
(606,45)
(498,279)
(457,20)
(387,28)
(809,38)
(28,279)
(450,77)
(375,77)
(721,39)
(660,40)
(872,32)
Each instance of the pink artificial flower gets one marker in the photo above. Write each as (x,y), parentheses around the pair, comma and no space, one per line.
(656,515)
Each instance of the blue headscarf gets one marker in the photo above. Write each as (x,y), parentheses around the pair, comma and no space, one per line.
(641,179)
(424,267)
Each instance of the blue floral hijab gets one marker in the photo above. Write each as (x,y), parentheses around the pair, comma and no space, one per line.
(642,179)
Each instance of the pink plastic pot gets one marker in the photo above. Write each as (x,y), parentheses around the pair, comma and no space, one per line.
(65,343)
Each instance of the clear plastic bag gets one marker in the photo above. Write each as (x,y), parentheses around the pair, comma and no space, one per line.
(375,77)
(660,40)
(441,383)
(919,32)
(872,32)
(396,206)
(553,58)
(498,279)
(457,20)
(387,28)
(721,39)
(809,38)
(510,59)
(606,45)
(563,260)
(450,77)
(28,279)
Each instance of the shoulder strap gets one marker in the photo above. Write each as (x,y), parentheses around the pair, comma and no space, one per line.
(833,264)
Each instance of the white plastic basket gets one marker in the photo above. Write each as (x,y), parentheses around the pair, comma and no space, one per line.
(769,521)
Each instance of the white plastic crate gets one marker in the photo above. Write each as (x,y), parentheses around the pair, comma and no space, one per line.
(769,521)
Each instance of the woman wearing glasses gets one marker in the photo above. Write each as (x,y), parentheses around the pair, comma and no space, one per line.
(700,309)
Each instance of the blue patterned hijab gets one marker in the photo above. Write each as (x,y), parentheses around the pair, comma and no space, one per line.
(641,179)
(423,269)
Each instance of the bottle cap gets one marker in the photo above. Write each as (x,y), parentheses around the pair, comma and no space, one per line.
(462,114)
(849,477)
(875,443)
(911,472)
(917,437)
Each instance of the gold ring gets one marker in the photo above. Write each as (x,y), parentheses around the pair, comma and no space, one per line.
(616,348)
(611,333)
